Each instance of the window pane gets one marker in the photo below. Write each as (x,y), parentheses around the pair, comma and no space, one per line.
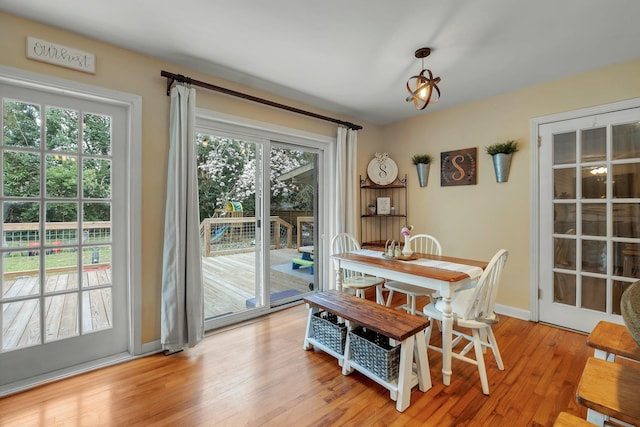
(97,222)
(594,219)
(96,266)
(61,269)
(626,182)
(618,289)
(564,183)
(21,224)
(594,293)
(564,148)
(626,259)
(21,174)
(594,182)
(62,176)
(594,256)
(62,130)
(626,141)
(61,223)
(594,145)
(564,288)
(96,179)
(96,134)
(96,309)
(626,220)
(565,253)
(20,274)
(21,124)
(564,218)
(16,332)
(62,316)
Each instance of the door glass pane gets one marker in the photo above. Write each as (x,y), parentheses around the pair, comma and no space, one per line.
(594,145)
(594,182)
(565,253)
(626,181)
(62,130)
(594,293)
(627,259)
(594,219)
(564,218)
(62,175)
(20,324)
(618,289)
(564,183)
(21,124)
(594,256)
(625,220)
(564,288)
(21,174)
(96,310)
(564,148)
(96,178)
(62,316)
(96,134)
(626,141)
(227,176)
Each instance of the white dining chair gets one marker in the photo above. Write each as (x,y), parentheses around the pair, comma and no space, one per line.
(420,243)
(356,281)
(473,308)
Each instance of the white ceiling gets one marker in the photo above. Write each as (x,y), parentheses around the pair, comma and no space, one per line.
(353,57)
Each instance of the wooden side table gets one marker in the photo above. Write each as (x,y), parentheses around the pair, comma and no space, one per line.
(611,389)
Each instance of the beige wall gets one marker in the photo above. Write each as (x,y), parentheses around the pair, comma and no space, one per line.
(471,221)
(126,71)
(475,221)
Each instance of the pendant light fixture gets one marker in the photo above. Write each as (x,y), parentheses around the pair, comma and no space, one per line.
(423,88)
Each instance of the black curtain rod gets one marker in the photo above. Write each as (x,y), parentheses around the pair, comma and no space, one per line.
(171,78)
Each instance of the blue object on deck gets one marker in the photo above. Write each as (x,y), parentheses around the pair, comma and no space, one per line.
(296,263)
(219,233)
(251,302)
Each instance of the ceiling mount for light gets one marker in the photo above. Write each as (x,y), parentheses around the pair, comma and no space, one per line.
(423,89)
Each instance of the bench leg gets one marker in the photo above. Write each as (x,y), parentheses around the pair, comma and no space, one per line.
(308,334)
(404,374)
(422,362)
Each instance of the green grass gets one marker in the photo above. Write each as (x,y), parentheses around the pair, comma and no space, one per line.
(20,261)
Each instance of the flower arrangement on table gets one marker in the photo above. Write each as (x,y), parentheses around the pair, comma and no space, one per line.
(406,232)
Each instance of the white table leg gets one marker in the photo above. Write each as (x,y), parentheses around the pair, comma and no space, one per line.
(379,296)
(404,374)
(447,328)
(306,345)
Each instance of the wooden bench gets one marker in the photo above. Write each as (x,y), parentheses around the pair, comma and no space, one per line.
(610,389)
(610,340)
(566,419)
(296,263)
(400,326)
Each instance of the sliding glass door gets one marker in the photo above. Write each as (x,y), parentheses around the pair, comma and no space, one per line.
(258,228)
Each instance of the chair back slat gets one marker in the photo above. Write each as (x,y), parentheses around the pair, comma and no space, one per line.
(425,244)
(486,290)
(344,243)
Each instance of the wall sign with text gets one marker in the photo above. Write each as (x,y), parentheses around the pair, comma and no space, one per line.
(458,167)
(57,54)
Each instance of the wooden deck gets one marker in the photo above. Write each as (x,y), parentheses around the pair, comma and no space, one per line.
(229,281)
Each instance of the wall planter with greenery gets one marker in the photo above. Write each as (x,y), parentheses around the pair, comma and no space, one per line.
(501,154)
(423,163)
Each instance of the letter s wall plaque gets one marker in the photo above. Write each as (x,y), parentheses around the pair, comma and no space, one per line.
(458,167)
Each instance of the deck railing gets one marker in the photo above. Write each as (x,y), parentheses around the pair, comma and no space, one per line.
(233,235)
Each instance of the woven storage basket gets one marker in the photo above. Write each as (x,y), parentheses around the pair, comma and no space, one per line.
(328,332)
(378,358)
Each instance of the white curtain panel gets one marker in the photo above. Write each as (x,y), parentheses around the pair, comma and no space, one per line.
(182,294)
(346,215)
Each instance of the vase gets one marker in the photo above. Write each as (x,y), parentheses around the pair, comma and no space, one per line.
(502,165)
(423,173)
(406,250)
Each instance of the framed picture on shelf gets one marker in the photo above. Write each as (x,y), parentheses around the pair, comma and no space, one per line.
(384,205)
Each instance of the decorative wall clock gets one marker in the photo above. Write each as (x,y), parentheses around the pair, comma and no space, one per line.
(382,170)
(458,167)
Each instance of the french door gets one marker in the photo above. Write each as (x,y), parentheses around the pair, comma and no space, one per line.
(589,243)
(63,258)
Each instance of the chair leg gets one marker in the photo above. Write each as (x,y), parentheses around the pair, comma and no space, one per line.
(413,304)
(480,359)
(427,332)
(494,348)
(389,298)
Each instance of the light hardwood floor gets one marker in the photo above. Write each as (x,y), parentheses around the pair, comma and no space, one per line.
(257,374)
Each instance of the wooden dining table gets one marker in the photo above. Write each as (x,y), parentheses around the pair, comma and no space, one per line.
(444,280)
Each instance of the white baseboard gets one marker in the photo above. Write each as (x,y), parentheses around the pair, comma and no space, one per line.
(518,313)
